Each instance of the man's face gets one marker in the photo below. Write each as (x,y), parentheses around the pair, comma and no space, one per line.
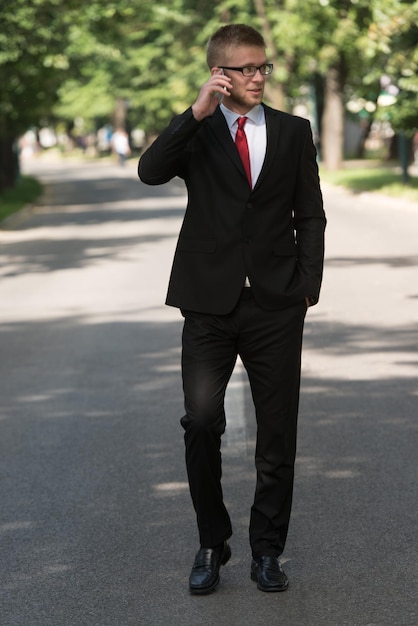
(247,91)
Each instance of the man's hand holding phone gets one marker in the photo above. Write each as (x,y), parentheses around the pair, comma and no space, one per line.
(211,94)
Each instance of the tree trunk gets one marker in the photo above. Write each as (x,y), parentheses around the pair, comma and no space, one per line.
(9,166)
(274,90)
(332,139)
(120,114)
(361,148)
(275,95)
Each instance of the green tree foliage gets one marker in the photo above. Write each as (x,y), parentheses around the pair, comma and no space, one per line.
(342,48)
(69,59)
(44,44)
(159,61)
(31,36)
(325,44)
(395,36)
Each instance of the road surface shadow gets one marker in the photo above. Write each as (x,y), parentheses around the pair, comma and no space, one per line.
(97,519)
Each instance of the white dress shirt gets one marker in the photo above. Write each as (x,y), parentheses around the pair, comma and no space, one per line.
(255,130)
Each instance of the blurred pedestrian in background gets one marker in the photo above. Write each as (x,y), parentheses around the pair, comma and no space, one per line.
(120,145)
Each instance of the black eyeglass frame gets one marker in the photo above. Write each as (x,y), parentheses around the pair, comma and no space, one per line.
(268,66)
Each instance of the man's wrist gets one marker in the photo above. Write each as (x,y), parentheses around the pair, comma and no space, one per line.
(197,114)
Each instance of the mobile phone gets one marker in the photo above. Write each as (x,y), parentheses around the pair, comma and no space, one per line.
(220,95)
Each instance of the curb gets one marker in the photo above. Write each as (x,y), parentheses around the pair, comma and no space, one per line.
(15,219)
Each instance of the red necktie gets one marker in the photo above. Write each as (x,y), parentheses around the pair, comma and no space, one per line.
(242,147)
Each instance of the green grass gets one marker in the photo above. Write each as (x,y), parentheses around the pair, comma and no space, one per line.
(383,180)
(26,191)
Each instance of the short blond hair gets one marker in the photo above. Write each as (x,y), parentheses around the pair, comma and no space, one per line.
(231,35)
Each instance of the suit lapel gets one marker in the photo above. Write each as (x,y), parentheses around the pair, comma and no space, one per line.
(222,134)
(220,130)
(272,131)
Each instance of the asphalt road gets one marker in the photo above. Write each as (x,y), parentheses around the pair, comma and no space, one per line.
(96,524)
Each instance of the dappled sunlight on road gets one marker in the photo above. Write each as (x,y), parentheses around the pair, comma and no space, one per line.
(170,488)
(353,352)
(99,262)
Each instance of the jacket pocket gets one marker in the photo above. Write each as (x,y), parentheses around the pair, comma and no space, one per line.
(205,246)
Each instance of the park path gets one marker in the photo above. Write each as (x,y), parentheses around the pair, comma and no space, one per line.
(96,526)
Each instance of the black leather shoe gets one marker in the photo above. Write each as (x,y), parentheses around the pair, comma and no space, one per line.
(267,572)
(206,566)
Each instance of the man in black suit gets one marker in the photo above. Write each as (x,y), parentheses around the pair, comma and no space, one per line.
(248,264)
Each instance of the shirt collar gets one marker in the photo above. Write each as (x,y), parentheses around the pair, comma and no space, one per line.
(255,115)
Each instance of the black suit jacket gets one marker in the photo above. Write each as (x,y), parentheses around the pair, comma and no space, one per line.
(274,233)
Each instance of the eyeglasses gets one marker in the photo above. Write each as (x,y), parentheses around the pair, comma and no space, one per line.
(251,70)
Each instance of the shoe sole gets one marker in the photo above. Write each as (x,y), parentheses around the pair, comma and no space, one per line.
(206,590)
(254,577)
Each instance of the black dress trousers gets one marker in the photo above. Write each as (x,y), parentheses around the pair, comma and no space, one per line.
(269,344)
